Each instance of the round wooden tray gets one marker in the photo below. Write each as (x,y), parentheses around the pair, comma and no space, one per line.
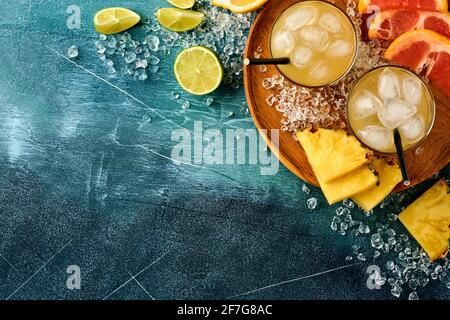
(435,149)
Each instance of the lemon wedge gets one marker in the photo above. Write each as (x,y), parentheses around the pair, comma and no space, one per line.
(179,20)
(115,20)
(239,6)
(182,4)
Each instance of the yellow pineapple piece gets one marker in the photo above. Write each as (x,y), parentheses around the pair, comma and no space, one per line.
(346,186)
(428,220)
(332,153)
(389,176)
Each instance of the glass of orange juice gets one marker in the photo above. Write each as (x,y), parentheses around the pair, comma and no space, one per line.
(387,98)
(318,38)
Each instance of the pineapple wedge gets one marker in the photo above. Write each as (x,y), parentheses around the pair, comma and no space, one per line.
(332,153)
(352,183)
(428,220)
(389,176)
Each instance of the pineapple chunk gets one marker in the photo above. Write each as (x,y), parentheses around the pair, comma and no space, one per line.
(332,153)
(428,220)
(352,183)
(389,176)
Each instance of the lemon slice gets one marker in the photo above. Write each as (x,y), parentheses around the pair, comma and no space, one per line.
(179,20)
(239,6)
(198,70)
(115,20)
(182,4)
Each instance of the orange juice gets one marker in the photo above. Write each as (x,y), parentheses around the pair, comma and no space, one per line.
(319,39)
(386,98)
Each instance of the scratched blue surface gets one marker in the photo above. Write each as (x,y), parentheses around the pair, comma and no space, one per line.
(84,180)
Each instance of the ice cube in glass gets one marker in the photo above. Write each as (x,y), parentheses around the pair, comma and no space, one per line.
(388,85)
(301,57)
(314,37)
(413,129)
(284,42)
(412,90)
(330,22)
(339,48)
(377,137)
(395,112)
(319,70)
(301,17)
(365,104)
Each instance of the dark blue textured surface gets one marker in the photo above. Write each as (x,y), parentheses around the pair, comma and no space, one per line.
(84,180)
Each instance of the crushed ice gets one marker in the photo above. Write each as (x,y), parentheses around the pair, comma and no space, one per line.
(139,57)
(404,266)
(324,107)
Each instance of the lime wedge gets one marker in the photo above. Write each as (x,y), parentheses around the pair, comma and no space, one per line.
(182,4)
(114,20)
(179,20)
(198,70)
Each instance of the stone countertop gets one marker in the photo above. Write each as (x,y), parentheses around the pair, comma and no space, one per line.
(86,179)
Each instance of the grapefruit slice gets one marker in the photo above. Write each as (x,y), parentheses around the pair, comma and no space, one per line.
(390,24)
(369,6)
(427,52)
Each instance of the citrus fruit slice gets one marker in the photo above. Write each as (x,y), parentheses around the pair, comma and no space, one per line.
(182,4)
(439,73)
(198,70)
(368,6)
(114,20)
(179,20)
(239,6)
(427,52)
(390,24)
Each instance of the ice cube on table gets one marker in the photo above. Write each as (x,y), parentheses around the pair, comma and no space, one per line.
(395,112)
(330,22)
(72,52)
(300,18)
(301,57)
(284,43)
(365,104)
(314,37)
(388,85)
(319,70)
(413,129)
(412,90)
(339,48)
(377,137)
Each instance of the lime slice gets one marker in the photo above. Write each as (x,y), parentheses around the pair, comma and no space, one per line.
(198,70)
(182,4)
(114,20)
(179,20)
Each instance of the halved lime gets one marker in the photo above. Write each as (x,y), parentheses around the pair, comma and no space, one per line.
(182,4)
(179,20)
(198,70)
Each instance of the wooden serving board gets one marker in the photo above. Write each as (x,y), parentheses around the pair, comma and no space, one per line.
(435,149)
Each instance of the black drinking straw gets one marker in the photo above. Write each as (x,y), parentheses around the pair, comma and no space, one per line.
(401,157)
(263,61)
